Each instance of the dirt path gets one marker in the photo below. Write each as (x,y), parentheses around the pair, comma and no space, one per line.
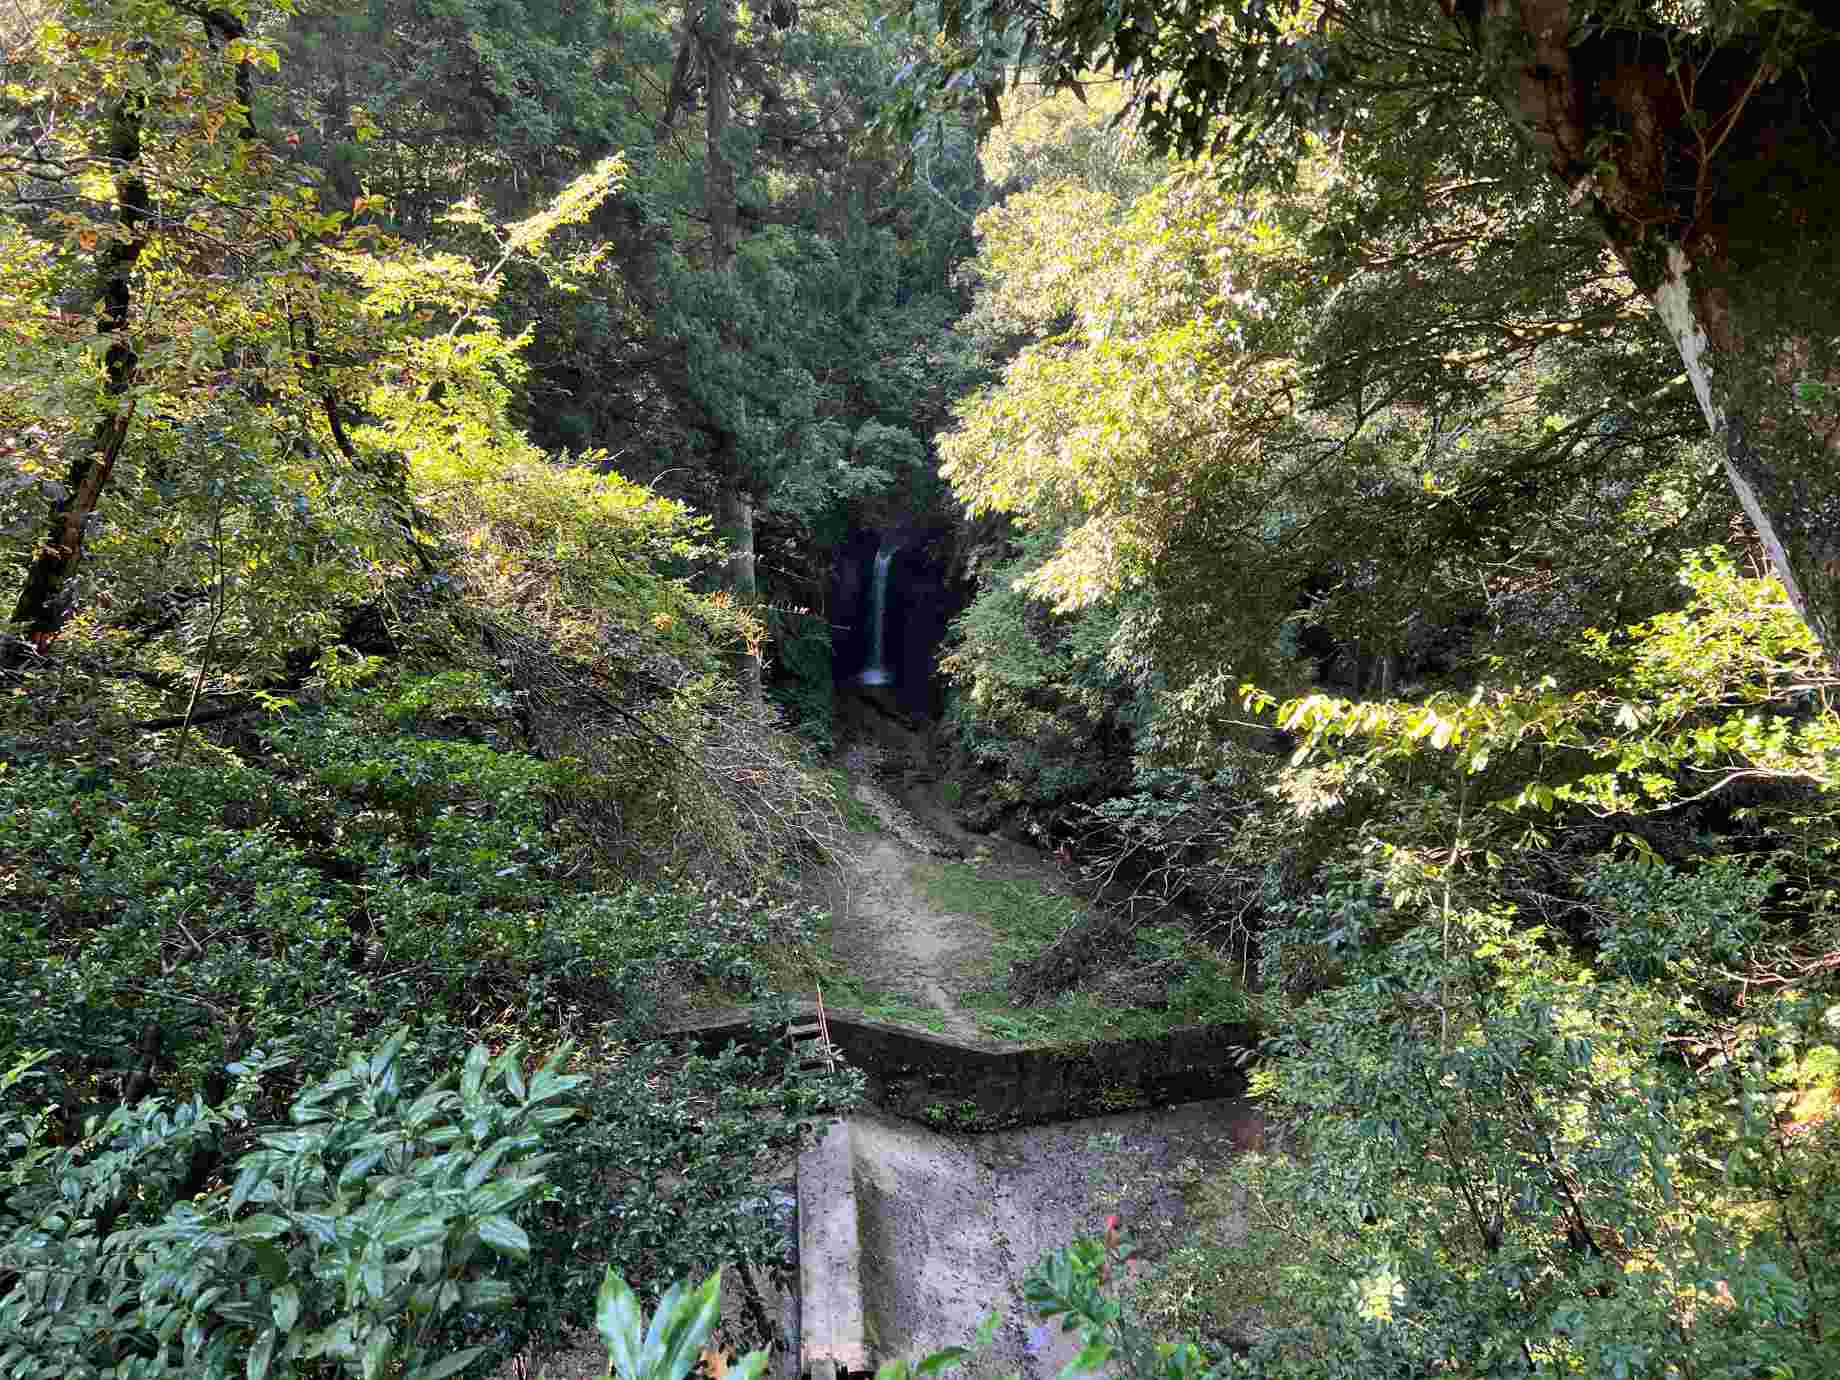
(889,935)
(886,932)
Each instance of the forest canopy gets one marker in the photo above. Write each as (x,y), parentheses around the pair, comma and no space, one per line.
(1692,142)
(1376,462)
(1388,455)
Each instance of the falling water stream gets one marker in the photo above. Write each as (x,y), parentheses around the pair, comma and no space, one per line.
(877,672)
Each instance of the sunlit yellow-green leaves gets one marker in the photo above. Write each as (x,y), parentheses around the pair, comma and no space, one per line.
(1733,687)
(301,381)
(1147,409)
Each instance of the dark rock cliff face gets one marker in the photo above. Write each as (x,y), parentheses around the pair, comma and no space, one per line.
(919,603)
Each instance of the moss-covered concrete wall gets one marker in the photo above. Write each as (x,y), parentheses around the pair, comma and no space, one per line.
(950,1084)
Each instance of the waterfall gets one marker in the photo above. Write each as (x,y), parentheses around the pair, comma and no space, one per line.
(876,672)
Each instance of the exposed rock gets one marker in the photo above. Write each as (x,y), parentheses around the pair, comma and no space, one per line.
(980,816)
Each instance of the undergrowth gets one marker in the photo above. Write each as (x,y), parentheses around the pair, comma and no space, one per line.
(1166,981)
(846,990)
(857,817)
(202,939)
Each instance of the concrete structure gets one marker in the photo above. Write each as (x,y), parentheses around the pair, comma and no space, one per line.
(981,1087)
(909,1237)
(833,1341)
(942,1229)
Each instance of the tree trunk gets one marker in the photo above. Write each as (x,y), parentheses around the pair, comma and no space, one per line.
(1715,176)
(734,503)
(735,523)
(717,38)
(41,607)
(677,95)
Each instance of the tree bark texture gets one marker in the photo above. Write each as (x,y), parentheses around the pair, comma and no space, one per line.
(734,503)
(717,39)
(683,70)
(41,606)
(1715,176)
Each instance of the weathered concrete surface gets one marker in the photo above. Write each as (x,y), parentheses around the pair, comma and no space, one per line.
(950,1225)
(832,1337)
(986,1085)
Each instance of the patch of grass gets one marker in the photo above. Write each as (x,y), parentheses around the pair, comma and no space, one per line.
(951,792)
(857,817)
(1027,918)
(1080,1017)
(842,989)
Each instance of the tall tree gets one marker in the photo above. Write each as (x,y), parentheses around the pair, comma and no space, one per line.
(92,454)
(230,395)
(1698,140)
(779,295)
(714,30)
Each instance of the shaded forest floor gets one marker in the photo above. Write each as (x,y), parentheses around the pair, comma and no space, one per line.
(930,920)
(920,933)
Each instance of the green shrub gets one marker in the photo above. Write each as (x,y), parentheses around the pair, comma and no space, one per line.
(674,1342)
(663,1174)
(1038,700)
(357,1236)
(380,1230)
(389,852)
(804,682)
(192,911)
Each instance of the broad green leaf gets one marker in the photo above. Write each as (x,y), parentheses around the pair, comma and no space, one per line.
(504,1236)
(704,1310)
(260,1355)
(384,1060)
(472,1075)
(378,1348)
(286,1307)
(481,1168)
(941,1360)
(487,1293)
(652,1352)
(501,1193)
(617,1316)
(420,1231)
(447,1365)
(246,1181)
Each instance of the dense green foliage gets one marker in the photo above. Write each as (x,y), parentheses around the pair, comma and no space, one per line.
(414,415)
(386,868)
(378,1214)
(349,682)
(1371,621)
(385,1223)
(212,933)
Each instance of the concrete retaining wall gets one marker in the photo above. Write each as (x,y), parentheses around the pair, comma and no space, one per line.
(958,1086)
(833,1333)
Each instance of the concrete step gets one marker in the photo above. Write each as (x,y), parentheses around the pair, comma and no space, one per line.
(813,1054)
(832,1338)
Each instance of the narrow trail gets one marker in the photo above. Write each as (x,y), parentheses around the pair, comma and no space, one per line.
(886,931)
(889,934)
(950,1225)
